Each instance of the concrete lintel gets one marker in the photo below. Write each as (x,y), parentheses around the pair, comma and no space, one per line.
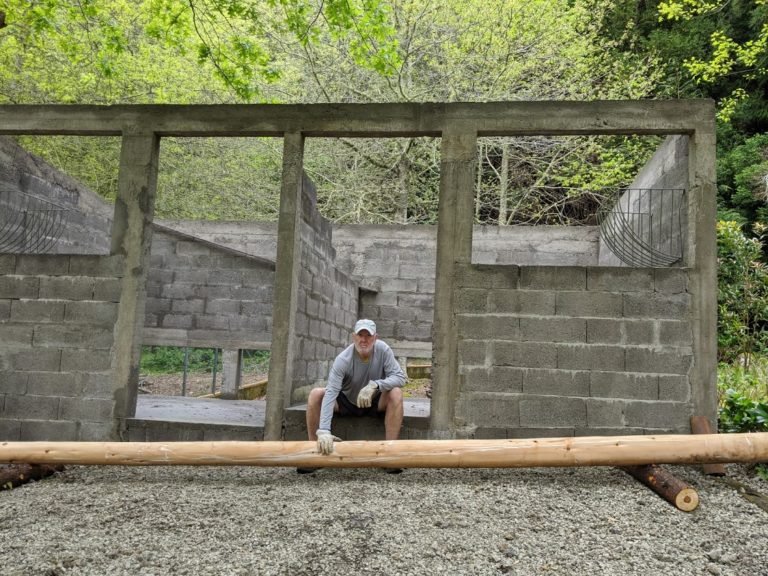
(363,120)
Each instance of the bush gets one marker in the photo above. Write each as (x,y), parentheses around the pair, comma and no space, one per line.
(739,413)
(170,360)
(742,303)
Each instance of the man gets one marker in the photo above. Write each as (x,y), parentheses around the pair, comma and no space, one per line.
(364,379)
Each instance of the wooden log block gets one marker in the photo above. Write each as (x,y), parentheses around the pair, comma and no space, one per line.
(700,425)
(13,475)
(579,451)
(666,485)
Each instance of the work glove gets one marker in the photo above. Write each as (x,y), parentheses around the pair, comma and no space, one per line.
(325,441)
(366,395)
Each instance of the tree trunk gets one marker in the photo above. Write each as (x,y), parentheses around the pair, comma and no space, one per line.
(580,451)
(672,489)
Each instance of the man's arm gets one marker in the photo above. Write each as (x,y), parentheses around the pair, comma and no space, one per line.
(394,377)
(332,390)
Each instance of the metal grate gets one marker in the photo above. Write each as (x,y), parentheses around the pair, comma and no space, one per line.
(28,224)
(644,226)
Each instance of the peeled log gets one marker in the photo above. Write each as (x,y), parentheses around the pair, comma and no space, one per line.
(580,451)
(669,487)
(700,425)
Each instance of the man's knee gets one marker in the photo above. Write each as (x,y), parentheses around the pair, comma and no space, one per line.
(395,397)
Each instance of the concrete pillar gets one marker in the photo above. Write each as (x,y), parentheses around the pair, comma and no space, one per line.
(231,370)
(454,248)
(701,259)
(132,238)
(287,268)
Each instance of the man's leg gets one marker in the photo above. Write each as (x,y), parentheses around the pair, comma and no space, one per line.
(391,403)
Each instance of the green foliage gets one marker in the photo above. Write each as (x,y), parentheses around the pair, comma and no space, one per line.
(170,360)
(742,294)
(741,414)
(742,176)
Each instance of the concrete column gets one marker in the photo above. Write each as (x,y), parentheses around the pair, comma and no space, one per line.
(131,238)
(454,248)
(701,259)
(231,370)
(287,268)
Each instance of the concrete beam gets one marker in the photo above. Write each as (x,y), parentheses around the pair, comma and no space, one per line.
(362,120)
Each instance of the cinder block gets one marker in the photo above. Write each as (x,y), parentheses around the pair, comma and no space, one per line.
(489,410)
(614,279)
(193,276)
(16,334)
(666,360)
(605,331)
(48,430)
(95,431)
(89,312)
(94,385)
(37,310)
(485,433)
(506,379)
(42,265)
(97,266)
(229,307)
(674,388)
(605,413)
(530,302)
(548,382)
(590,357)
(13,382)
(31,407)
(671,280)
(674,333)
(86,409)
(415,300)
(417,271)
(488,327)
(158,305)
(524,354)
(472,300)
(552,411)
(551,329)
(191,306)
(227,277)
(48,360)
(183,321)
(588,303)
(10,430)
(638,332)
(488,276)
(73,336)
(86,361)
(19,287)
(5,309)
(52,384)
(67,287)
(544,432)
(7,264)
(609,431)
(624,385)
(553,278)
(658,415)
(184,247)
(107,289)
(672,307)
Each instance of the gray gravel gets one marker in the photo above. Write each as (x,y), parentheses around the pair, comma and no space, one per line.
(236,520)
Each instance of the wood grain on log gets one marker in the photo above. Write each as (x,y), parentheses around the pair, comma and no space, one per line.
(700,425)
(579,451)
(666,485)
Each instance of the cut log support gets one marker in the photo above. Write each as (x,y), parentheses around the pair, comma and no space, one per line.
(666,485)
(579,451)
(700,425)
(14,475)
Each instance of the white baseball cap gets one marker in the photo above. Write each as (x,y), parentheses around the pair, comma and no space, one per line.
(364,324)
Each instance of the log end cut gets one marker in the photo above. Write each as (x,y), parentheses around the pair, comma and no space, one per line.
(687,500)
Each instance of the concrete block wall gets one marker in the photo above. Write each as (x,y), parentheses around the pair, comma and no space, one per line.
(568,351)
(201,295)
(89,217)
(327,302)
(57,319)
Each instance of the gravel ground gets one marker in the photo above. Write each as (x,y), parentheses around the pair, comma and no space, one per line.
(245,521)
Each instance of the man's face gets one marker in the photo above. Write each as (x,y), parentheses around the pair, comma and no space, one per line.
(364,341)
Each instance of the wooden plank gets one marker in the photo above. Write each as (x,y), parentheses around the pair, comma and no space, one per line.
(545,452)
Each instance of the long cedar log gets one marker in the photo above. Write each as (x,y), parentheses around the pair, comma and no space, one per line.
(700,425)
(666,485)
(579,451)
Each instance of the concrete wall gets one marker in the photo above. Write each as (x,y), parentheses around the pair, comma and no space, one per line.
(57,317)
(203,295)
(564,351)
(88,220)
(666,170)
(327,303)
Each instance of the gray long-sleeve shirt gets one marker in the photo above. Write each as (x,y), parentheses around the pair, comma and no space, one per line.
(349,374)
